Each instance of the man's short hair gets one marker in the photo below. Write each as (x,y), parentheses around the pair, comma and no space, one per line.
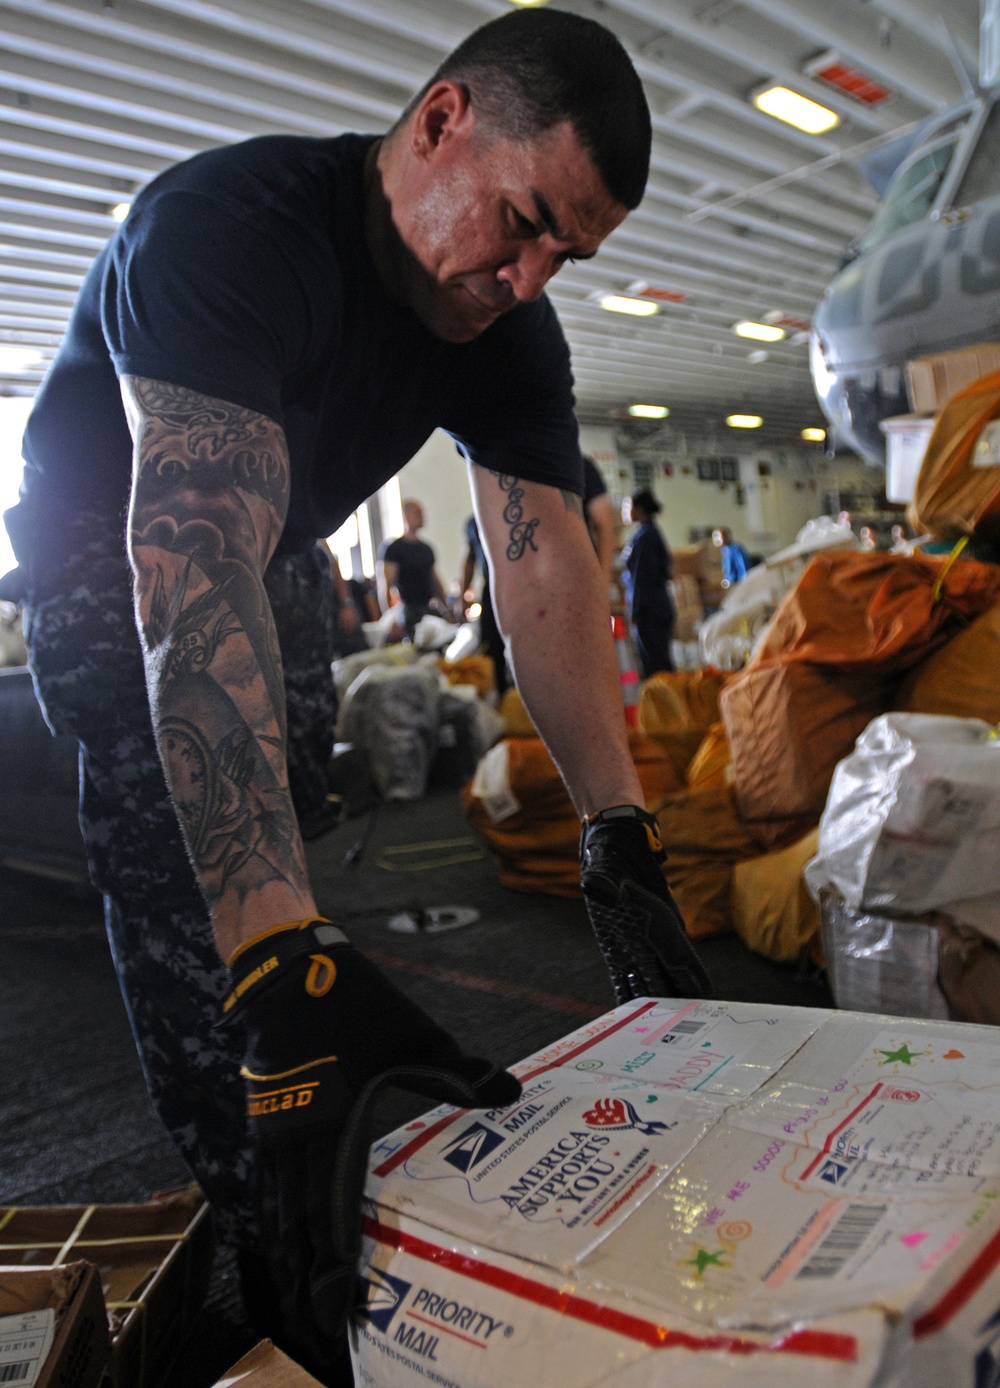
(530,70)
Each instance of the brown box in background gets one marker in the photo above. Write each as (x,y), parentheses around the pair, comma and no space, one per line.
(703,563)
(267,1367)
(688,605)
(79,1352)
(153,1261)
(934,380)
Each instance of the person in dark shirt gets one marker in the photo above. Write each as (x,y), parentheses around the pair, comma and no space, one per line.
(646,570)
(474,557)
(274,331)
(406,570)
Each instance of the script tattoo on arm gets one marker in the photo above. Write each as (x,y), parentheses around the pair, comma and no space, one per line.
(209,500)
(521,532)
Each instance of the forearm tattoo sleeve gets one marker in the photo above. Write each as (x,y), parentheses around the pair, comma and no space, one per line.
(209,499)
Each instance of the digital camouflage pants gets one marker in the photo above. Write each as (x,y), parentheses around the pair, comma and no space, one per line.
(87,664)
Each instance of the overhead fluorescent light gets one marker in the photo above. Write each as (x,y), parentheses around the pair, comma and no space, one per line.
(120,211)
(618,303)
(759,332)
(648,411)
(14,359)
(814,435)
(793,109)
(744,421)
(528,4)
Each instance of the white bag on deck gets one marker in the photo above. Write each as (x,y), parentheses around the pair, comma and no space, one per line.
(912,821)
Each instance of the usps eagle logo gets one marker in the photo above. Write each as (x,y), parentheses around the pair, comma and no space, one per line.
(381,1296)
(619,1113)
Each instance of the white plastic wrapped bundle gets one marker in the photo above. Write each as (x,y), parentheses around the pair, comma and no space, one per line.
(912,820)
(466,641)
(347,669)
(727,638)
(393,715)
(879,964)
(433,633)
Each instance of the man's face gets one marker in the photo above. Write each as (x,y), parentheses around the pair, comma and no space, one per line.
(486,222)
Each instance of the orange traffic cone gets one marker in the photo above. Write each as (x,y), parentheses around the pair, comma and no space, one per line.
(628,669)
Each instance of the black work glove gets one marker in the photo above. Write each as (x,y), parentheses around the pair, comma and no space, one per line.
(638,926)
(326,1032)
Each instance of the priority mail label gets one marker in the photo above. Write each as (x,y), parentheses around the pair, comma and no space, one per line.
(914,1138)
(552,1175)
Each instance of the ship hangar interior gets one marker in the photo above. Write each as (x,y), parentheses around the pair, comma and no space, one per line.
(811,227)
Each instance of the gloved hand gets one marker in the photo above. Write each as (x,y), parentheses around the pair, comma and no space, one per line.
(326,1032)
(638,926)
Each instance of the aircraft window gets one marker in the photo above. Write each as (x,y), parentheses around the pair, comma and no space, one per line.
(911,194)
(982,177)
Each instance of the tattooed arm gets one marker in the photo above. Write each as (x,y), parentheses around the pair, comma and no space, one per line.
(209,498)
(551,603)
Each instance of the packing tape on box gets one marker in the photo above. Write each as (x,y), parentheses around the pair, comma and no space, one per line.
(92,1243)
(78,1230)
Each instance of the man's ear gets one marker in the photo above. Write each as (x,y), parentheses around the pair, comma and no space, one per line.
(443,114)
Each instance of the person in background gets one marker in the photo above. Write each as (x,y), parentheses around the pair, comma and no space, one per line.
(600,514)
(406,571)
(646,570)
(363,593)
(735,559)
(346,636)
(473,557)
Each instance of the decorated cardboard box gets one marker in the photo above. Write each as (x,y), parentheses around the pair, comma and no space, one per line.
(700,1193)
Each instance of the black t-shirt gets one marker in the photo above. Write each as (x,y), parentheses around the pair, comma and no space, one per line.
(415,580)
(243,273)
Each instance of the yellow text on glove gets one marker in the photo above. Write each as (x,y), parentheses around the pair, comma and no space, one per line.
(279,1100)
(248,981)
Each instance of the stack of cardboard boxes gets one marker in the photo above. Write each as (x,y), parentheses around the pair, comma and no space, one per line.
(110,1291)
(697,587)
(932,381)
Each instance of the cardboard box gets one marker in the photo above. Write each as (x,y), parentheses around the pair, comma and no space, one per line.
(153,1262)
(53,1328)
(700,1193)
(703,562)
(688,606)
(906,439)
(267,1367)
(934,380)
